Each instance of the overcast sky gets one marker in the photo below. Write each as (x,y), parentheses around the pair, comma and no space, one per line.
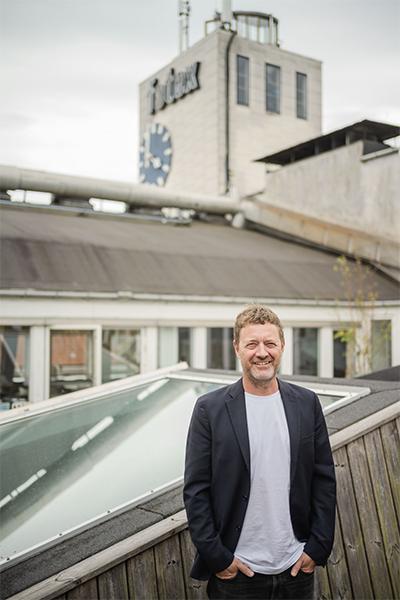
(70,71)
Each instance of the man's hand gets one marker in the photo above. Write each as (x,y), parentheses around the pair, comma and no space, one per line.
(235,566)
(305,564)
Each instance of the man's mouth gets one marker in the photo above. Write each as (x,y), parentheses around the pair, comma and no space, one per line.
(264,363)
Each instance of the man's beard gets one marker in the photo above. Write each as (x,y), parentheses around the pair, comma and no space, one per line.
(263,381)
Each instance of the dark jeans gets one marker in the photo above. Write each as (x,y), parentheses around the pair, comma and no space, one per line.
(263,587)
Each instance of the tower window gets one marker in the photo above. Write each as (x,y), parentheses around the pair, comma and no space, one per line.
(242,80)
(273,80)
(301,95)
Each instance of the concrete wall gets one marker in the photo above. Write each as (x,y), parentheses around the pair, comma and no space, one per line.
(343,188)
(192,121)
(256,132)
(380,192)
(197,121)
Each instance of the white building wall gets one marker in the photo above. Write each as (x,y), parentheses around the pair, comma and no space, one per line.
(192,121)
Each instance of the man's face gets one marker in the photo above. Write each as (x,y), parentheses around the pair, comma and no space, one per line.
(259,350)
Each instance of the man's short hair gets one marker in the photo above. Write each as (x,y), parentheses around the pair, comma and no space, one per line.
(257,314)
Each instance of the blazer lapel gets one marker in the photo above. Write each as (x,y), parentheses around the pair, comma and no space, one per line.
(292,412)
(236,407)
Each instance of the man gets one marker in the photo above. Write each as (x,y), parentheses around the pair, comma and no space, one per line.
(259,477)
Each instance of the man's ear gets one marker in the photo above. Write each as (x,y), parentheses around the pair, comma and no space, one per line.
(236,348)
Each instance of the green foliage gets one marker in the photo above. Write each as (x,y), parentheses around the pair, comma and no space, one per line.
(359,291)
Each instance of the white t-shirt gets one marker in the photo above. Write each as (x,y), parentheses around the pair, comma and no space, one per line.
(267,542)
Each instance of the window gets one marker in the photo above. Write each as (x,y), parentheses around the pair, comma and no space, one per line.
(120,353)
(381,344)
(273,80)
(339,355)
(184,344)
(305,351)
(301,95)
(220,352)
(71,361)
(14,365)
(242,80)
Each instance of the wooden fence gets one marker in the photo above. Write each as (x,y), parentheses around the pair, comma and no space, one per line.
(364,564)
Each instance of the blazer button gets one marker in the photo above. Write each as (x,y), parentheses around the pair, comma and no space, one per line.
(238,528)
(245,497)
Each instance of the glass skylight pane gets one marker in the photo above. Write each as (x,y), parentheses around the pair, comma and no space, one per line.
(66,467)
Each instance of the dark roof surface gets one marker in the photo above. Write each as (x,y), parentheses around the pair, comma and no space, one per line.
(372,132)
(50,250)
(389,374)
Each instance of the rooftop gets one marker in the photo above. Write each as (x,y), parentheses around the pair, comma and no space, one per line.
(373,133)
(55,249)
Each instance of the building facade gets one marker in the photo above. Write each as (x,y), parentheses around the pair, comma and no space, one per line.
(224,102)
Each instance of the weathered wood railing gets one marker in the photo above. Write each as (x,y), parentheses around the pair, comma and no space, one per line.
(365,562)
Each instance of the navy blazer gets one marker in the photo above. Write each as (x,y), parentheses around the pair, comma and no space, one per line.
(217,475)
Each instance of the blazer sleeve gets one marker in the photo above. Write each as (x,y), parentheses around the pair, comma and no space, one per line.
(323,494)
(197,493)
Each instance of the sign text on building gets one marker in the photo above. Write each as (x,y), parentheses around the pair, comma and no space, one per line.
(176,86)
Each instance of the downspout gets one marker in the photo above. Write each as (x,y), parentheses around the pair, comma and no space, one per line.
(227,111)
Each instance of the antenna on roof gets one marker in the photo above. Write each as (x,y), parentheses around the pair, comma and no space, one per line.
(183,13)
(226,14)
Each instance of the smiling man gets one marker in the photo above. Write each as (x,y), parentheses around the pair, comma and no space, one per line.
(260,487)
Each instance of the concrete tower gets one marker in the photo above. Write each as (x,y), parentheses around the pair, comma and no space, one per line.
(229,99)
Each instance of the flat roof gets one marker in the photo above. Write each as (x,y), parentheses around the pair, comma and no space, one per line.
(51,250)
(372,131)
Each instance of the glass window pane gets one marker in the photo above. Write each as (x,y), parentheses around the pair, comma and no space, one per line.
(120,353)
(273,92)
(14,365)
(71,361)
(184,344)
(339,355)
(167,346)
(253,29)
(381,344)
(305,351)
(242,80)
(301,95)
(220,352)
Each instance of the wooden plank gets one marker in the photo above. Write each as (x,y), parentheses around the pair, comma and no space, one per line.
(347,435)
(351,530)
(113,584)
(89,568)
(322,590)
(195,589)
(384,504)
(169,570)
(338,573)
(391,446)
(373,541)
(141,572)
(85,591)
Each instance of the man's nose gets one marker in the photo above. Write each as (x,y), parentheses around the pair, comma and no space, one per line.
(261,350)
